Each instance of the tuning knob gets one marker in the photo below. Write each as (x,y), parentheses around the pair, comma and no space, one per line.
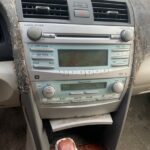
(126,35)
(34,33)
(118,87)
(48,91)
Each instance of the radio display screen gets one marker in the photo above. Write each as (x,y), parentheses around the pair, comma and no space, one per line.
(83,86)
(82,58)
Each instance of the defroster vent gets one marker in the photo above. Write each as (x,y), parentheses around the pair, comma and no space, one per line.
(45,9)
(110,11)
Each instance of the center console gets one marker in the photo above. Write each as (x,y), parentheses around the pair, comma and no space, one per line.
(77,68)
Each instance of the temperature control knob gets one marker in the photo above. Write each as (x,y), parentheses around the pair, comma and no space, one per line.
(118,87)
(126,35)
(48,91)
(34,33)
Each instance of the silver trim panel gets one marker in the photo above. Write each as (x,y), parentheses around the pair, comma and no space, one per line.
(42,74)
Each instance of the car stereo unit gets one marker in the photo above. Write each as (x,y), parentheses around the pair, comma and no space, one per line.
(77,71)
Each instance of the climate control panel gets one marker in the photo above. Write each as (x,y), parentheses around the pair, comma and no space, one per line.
(87,91)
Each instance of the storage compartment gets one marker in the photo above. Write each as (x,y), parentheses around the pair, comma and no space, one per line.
(87,137)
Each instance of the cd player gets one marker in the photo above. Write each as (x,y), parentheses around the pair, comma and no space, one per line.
(77,71)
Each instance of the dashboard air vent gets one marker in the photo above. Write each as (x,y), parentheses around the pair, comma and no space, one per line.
(48,9)
(110,11)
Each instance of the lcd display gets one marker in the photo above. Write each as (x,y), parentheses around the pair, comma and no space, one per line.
(83,86)
(83,58)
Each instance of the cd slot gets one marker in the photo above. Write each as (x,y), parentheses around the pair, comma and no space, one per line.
(83,36)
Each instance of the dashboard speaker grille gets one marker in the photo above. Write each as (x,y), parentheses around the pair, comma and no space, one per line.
(110,11)
(48,9)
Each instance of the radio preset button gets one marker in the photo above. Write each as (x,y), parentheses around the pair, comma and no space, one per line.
(120,54)
(119,65)
(42,57)
(120,62)
(48,91)
(42,67)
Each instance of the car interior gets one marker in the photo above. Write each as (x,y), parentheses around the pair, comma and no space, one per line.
(75,70)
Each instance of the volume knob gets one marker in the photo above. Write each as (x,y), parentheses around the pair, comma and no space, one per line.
(118,87)
(48,91)
(126,35)
(34,33)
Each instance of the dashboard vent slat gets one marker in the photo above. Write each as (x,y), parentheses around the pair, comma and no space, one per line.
(45,9)
(110,11)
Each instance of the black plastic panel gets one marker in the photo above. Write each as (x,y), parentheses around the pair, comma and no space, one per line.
(5,42)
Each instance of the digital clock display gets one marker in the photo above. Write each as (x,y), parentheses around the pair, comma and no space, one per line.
(82,58)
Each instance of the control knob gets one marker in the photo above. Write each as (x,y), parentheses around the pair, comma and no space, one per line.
(34,33)
(48,91)
(126,36)
(118,87)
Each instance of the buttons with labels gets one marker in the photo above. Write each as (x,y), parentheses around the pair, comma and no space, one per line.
(42,58)
(40,48)
(81,13)
(36,66)
(120,62)
(120,55)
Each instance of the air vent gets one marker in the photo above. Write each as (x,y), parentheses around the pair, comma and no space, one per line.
(110,11)
(48,9)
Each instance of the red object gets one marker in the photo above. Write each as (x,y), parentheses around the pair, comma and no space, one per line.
(65,144)
(69,144)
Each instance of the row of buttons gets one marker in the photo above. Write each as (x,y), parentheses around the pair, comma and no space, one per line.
(84,72)
(86,92)
(80,99)
(80,72)
(42,57)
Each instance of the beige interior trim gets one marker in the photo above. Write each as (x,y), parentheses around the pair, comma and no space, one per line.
(142,80)
(9,94)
